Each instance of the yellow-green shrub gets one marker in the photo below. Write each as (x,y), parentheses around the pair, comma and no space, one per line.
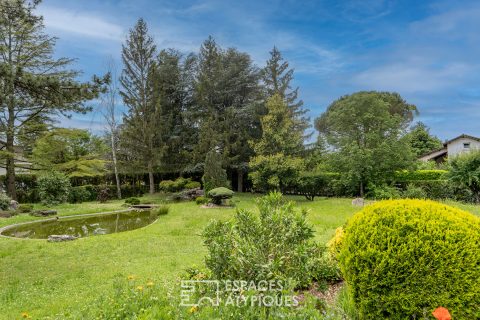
(335,244)
(404,258)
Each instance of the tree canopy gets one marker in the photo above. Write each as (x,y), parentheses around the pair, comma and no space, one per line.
(365,130)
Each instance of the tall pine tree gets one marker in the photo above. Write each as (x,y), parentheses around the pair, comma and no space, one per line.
(141,123)
(34,86)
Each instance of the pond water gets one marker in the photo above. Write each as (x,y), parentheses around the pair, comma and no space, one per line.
(84,226)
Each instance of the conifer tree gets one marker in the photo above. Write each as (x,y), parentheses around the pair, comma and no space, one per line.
(141,123)
(277,78)
(33,84)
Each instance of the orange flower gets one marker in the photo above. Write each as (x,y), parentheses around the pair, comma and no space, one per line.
(442,313)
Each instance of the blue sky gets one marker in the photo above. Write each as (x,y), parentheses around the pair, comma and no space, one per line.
(428,51)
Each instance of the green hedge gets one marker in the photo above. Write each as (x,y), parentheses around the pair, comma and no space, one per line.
(404,258)
(420,175)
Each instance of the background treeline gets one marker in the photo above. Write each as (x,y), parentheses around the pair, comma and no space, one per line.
(211,115)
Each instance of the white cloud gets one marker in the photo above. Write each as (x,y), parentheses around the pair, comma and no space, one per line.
(411,78)
(80,23)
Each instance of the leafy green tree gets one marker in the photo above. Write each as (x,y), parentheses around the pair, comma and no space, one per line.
(276,164)
(365,130)
(421,141)
(34,85)
(277,78)
(214,175)
(141,123)
(465,172)
(73,152)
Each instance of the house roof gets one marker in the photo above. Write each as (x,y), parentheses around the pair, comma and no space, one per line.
(434,153)
(445,144)
(462,136)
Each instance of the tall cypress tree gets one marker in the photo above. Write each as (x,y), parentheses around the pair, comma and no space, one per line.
(141,123)
(33,84)
(277,77)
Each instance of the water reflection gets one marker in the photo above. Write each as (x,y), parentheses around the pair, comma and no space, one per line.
(83,226)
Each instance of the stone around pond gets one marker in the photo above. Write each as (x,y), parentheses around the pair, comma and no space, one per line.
(60,238)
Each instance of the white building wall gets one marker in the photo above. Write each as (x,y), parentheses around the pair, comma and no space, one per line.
(457,147)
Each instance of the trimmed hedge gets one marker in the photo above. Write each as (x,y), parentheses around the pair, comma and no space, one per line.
(420,175)
(404,258)
(219,194)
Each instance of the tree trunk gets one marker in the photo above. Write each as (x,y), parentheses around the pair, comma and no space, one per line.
(150,178)
(115,169)
(11,191)
(362,189)
(10,147)
(240,180)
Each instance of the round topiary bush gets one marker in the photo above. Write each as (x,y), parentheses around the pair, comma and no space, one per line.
(404,258)
(219,194)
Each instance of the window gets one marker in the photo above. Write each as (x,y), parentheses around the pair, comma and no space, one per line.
(466,145)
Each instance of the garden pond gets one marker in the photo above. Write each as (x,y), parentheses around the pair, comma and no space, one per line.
(82,226)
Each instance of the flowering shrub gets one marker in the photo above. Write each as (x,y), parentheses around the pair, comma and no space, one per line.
(404,258)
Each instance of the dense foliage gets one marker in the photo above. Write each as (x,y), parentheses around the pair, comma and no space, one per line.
(4,201)
(421,141)
(53,188)
(366,130)
(276,244)
(465,172)
(404,258)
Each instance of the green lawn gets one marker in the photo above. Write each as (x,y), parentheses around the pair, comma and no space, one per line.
(46,279)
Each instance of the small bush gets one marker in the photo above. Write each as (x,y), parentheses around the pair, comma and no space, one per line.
(162,210)
(103,194)
(175,186)
(335,244)
(414,192)
(404,258)
(219,194)
(193,185)
(385,192)
(201,200)
(53,188)
(167,186)
(132,201)
(79,195)
(4,201)
(25,208)
(276,244)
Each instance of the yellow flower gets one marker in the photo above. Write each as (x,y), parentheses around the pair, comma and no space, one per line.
(150,284)
(131,277)
(193,309)
(140,288)
(25,315)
